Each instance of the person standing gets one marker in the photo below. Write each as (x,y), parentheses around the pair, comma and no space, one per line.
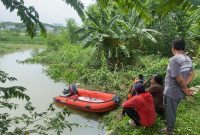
(179,74)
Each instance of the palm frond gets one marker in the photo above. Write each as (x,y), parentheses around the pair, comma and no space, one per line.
(138,6)
(151,30)
(124,25)
(94,20)
(88,43)
(111,22)
(78,6)
(170,5)
(103,3)
(85,36)
(113,33)
(149,36)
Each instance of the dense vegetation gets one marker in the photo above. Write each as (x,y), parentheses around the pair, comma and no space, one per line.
(117,41)
(71,63)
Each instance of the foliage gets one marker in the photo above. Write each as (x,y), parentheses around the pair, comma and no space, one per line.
(78,6)
(65,65)
(20,28)
(72,64)
(177,23)
(71,28)
(28,15)
(114,35)
(119,40)
(26,123)
(187,121)
(127,6)
(162,9)
(54,42)
(17,38)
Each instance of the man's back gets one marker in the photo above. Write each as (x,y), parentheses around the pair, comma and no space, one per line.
(179,65)
(144,106)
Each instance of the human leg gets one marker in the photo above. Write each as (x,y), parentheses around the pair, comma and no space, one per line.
(170,106)
(132,114)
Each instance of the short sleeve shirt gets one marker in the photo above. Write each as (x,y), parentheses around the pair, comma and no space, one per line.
(178,65)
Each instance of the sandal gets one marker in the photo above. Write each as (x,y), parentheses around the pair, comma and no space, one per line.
(166,131)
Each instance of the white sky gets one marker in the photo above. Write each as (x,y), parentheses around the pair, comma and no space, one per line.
(50,11)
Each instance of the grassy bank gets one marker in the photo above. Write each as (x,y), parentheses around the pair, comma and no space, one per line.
(71,63)
(14,41)
(8,47)
(187,121)
(19,38)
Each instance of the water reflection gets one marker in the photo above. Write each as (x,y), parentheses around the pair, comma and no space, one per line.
(42,89)
(84,114)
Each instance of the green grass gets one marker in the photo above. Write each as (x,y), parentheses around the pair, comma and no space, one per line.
(19,38)
(12,41)
(70,64)
(187,121)
(8,48)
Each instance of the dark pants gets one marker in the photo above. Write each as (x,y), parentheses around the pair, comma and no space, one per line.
(132,114)
(160,111)
(170,106)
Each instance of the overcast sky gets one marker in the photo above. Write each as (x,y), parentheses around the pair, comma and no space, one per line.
(50,11)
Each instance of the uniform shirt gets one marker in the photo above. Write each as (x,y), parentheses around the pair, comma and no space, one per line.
(179,65)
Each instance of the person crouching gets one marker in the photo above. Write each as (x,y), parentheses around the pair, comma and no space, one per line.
(140,108)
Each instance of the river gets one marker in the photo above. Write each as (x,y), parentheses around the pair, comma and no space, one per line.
(42,89)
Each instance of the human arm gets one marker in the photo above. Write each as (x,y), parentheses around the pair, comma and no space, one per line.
(147,82)
(130,102)
(190,77)
(152,89)
(181,81)
(174,65)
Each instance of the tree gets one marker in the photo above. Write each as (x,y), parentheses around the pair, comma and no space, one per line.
(163,9)
(30,16)
(177,23)
(71,28)
(114,34)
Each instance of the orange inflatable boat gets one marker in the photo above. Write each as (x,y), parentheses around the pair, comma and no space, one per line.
(88,100)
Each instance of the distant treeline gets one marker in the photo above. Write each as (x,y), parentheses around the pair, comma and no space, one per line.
(19,27)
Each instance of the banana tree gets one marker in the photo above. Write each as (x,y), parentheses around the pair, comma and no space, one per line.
(163,8)
(101,32)
(115,35)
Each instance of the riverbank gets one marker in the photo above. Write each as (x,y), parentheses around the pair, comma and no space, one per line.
(13,37)
(41,90)
(70,64)
(10,47)
(11,41)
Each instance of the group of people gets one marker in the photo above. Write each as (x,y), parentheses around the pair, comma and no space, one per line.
(144,104)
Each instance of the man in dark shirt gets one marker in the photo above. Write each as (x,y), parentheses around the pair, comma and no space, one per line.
(156,89)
